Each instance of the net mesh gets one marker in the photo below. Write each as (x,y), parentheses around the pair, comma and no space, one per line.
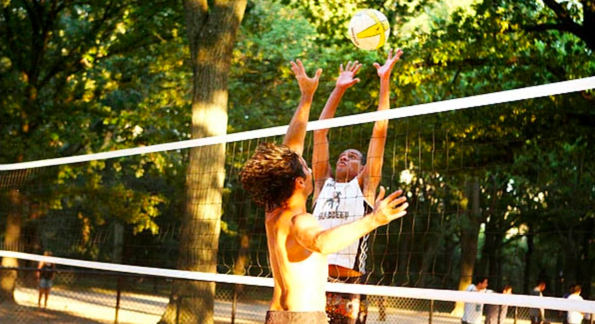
(495,177)
(87,295)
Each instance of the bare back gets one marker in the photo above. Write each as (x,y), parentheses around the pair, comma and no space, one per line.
(300,275)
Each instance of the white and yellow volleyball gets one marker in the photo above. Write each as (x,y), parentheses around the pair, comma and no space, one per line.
(369,29)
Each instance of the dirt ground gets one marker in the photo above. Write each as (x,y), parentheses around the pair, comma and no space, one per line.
(72,307)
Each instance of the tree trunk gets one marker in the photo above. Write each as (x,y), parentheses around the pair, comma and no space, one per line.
(588,263)
(118,250)
(495,231)
(212,28)
(528,262)
(404,241)
(11,242)
(469,239)
(491,255)
(239,267)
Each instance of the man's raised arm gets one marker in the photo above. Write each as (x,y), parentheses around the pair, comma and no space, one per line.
(372,172)
(296,133)
(320,158)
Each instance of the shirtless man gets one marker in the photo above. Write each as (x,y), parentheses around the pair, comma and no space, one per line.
(278,178)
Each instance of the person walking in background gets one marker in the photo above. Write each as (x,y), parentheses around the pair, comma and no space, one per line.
(45,275)
(537,315)
(574,317)
(473,312)
(496,314)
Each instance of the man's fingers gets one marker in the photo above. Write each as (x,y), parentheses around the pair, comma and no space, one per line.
(399,214)
(395,202)
(394,195)
(294,67)
(318,73)
(400,203)
(357,67)
(380,194)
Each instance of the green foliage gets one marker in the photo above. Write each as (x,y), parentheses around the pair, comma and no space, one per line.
(270,37)
(79,78)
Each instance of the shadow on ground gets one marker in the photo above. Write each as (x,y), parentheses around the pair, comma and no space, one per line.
(12,313)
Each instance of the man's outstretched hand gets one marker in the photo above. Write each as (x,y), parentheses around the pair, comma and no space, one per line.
(307,84)
(385,70)
(347,75)
(390,208)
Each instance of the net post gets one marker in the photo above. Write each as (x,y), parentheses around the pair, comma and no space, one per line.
(118,295)
(431,311)
(382,308)
(178,301)
(234,303)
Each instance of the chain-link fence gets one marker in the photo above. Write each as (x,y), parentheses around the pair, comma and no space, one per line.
(90,297)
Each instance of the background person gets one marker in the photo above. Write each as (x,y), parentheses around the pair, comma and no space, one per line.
(473,312)
(45,275)
(537,315)
(496,314)
(574,317)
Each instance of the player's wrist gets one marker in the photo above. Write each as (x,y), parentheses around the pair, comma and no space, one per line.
(308,95)
(375,220)
(340,89)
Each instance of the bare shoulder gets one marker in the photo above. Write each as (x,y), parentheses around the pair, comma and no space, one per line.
(304,221)
(302,217)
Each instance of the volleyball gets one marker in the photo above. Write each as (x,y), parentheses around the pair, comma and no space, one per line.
(369,29)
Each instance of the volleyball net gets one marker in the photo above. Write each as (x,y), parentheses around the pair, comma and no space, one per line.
(504,177)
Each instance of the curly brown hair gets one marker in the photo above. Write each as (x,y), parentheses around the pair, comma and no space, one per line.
(269,176)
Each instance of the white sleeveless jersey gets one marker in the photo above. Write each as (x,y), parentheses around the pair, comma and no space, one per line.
(338,204)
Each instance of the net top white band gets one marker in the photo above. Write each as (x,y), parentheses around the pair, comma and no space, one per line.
(563,304)
(416,110)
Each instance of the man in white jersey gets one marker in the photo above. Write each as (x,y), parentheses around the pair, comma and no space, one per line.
(278,179)
(349,195)
(473,312)
(574,317)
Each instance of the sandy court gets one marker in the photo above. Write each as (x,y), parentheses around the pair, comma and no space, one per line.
(100,307)
(91,307)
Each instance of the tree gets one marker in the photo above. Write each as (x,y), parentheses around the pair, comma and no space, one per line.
(566,19)
(212,28)
(66,88)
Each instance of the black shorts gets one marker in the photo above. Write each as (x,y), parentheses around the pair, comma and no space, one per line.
(285,317)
